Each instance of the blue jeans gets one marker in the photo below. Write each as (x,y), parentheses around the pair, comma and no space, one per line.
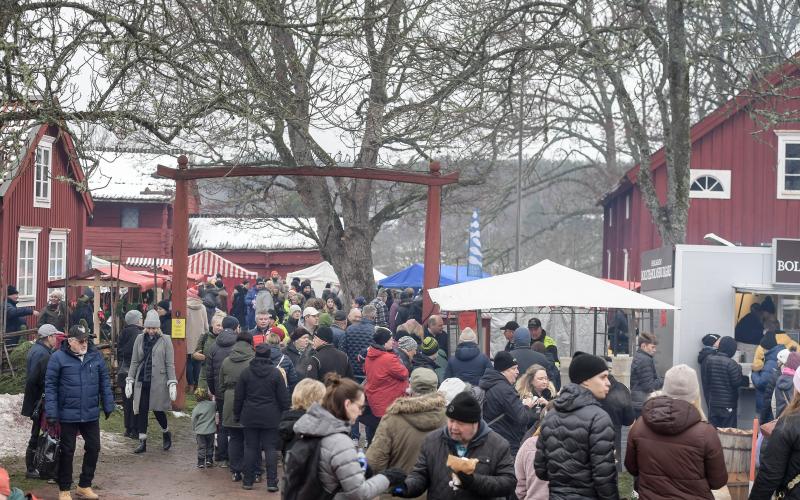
(192,370)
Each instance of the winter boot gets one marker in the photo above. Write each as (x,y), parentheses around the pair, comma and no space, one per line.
(167,440)
(30,466)
(64,495)
(142,446)
(86,493)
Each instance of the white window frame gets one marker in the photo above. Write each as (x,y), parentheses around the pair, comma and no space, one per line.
(608,264)
(624,264)
(27,234)
(785,137)
(57,236)
(46,146)
(627,207)
(611,216)
(722,176)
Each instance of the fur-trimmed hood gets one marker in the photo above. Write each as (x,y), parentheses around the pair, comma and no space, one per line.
(425,413)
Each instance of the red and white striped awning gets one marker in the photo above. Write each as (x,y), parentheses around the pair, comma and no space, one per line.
(209,263)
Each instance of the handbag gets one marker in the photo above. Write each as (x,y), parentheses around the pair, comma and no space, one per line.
(48,452)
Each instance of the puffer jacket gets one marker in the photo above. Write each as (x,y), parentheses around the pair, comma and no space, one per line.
(400,434)
(357,339)
(644,378)
(769,367)
(784,391)
(232,368)
(575,450)
(73,389)
(770,340)
(529,487)
(469,363)
(339,468)
(37,359)
(493,477)
(387,379)
(261,396)
(503,409)
(781,462)
(219,351)
(722,377)
(676,455)
(282,360)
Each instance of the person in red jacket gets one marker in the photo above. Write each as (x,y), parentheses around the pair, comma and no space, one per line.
(386,379)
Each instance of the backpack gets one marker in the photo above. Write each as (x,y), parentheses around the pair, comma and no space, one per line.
(300,480)
(305,362)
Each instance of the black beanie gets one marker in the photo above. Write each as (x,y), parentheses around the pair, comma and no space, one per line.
(585,366)
(710,339)
(503,361)
(263,351)
(464,408)
(325,333)
(164,304)
(382,335)
(230,323)
(727,346)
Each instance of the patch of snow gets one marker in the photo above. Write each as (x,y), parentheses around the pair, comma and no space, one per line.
(233,233)
(180,414)
(129,176)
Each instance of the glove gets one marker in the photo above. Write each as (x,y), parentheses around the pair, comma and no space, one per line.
(173,392)
(400,491)
(51,421)
(108,414)
(396,477)
(368,473)
(466,479)
(128,389)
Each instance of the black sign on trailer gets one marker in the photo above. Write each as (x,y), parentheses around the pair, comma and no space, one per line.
(786,261)
(657,269)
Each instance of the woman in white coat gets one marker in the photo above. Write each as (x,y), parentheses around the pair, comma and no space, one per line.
(151,379)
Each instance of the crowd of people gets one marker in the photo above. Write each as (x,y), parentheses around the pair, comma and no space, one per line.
(366,401)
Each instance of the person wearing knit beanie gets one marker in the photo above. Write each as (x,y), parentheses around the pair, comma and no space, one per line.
(382,336)
(680,382)
(464,408)
(134,317)
(423,381)
(585,366)
(152,320)
(784,386)
(467,335)
(430,346)
(793,360)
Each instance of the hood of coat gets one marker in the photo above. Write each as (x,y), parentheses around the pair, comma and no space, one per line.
(376,352)
(241,352)
(227,338)
(574,397)
(320,422)
(491,378)
(669,416)
(194,304)
(704,353)
(483,431)
(467,351)
(261,367)
(424,413)
(785,383)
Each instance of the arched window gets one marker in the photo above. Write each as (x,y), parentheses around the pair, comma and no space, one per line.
(707,183)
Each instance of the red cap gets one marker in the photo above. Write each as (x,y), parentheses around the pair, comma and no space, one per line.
(278,331)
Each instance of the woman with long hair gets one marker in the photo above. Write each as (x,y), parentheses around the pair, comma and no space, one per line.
(535,383)
(339,467)
(673,450)
(780,464)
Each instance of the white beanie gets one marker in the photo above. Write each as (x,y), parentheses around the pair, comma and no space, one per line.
(452,386)
(467,335)
(680,382)
(152,321)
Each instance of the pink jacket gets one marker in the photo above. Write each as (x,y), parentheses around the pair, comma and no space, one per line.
(529,487)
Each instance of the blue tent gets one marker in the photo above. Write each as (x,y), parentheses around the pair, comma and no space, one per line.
(411,277)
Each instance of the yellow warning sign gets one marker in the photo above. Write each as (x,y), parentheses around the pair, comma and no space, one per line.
(178,328)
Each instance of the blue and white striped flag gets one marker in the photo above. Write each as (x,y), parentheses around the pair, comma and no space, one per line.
(475,261)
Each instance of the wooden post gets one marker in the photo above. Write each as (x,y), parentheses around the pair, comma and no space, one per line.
(180,265)
(433,243)
(96,306)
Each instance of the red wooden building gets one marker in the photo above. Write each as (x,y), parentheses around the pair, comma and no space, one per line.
(133,207)
(745,184)
(44,213)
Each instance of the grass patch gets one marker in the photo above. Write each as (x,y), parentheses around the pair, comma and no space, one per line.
(625,484)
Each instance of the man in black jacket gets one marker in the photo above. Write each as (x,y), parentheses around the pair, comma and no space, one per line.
(326,357)
(502,408)
(466,435)
(644,377)
(508,332)
(575,450)
(32,404)
(722,377)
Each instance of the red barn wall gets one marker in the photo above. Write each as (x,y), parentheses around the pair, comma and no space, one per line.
(153,237)
(751,217)
(67,211)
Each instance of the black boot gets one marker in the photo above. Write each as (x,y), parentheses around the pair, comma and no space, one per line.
(167,440)
(31,472)
(142,446)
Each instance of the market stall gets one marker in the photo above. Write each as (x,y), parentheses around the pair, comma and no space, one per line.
(411,277)
(323,273)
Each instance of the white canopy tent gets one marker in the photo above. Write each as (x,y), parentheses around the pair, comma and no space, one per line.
(545,284)
(323,273)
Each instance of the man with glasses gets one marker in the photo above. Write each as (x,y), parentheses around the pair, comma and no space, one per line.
(76,381)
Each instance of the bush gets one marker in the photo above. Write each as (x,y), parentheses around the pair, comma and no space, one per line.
(15,384)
